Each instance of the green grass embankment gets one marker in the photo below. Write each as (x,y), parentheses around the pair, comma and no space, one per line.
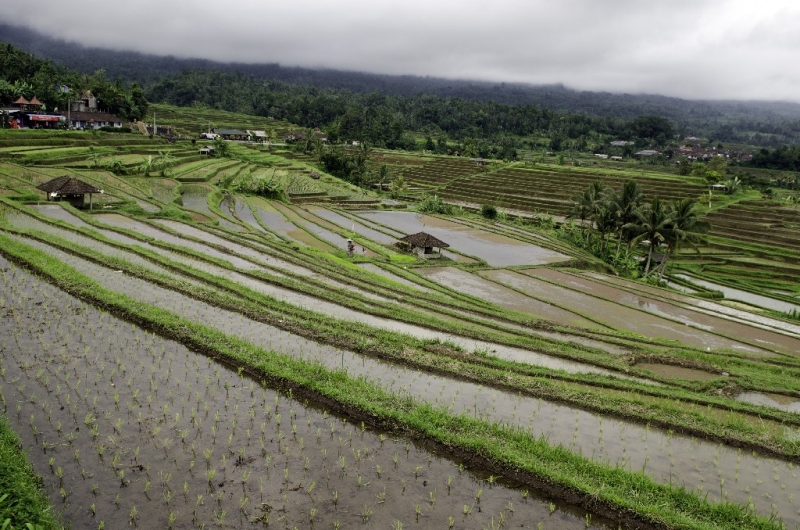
(22,502)
(629,497)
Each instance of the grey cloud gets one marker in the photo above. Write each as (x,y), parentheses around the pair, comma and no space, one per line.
(710,49)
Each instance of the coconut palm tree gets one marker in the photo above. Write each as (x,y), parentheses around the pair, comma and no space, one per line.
(625,205)
(685,227)
(653,224)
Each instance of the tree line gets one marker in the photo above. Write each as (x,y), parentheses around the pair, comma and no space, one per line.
(24,75)
(391,121)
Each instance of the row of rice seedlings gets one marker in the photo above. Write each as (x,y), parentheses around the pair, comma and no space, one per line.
(143,432)
(500,407)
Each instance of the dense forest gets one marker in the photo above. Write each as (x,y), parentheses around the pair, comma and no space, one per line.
(384,120)
(24,74)
(759,123)
(472,127)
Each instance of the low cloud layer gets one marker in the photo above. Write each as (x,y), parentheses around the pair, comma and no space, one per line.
(696,49)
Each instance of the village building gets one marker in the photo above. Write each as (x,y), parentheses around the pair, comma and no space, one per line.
(69,189)
(23,113)
(424,245)
(91,120)
(232,134)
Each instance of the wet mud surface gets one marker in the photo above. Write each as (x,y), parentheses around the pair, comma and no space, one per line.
(496,250)
(474,285)
(691,319)
(666,457)
(134,430)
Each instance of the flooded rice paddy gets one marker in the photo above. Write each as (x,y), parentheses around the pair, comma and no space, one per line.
(474,285)
(496,250)
(788,403)
(619,309)
(744,296)
(750,339)
(193,309)
(129,429)
(768,484)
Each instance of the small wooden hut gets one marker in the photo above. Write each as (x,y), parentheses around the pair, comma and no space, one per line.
(69,189)
(425,245)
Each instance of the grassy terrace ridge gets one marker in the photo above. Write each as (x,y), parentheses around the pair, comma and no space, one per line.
(22,502)
(678,409)
(628,497)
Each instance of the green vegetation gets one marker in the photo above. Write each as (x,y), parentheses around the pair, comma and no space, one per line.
(499,446)
(281,264)
(23,74)
(22,503)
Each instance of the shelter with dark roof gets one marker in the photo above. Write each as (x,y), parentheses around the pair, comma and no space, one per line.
(423,244)
(232,134)
(91,120)
(69,189)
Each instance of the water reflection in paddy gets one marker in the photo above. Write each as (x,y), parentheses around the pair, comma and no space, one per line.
(769,484)
(496,250)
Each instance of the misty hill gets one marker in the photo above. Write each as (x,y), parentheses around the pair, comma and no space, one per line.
(758,122)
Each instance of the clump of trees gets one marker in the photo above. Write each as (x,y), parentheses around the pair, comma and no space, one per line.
(612,223)
(24,75)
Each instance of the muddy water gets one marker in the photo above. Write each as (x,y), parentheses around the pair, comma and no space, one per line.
(496,250)
(329,240)
(57,212)
(24,221)
(744,296)
(751,337)
(349,224)
(150,231)
(195,197)
(276,222)
(383,272)
(471,284)
(243,212)
(582,296)
(127,418)
(705,306)
(668,458)
(167,299)
(791,404)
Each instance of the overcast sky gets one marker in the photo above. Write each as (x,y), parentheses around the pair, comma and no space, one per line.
(697,49)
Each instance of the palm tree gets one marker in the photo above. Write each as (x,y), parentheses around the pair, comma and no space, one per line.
(592,204)
(652,224)
(625,204)
(685,228)
(582,207)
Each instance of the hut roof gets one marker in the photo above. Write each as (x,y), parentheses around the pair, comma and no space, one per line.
(21,101)
(67,185)
(36,102)
(424,240)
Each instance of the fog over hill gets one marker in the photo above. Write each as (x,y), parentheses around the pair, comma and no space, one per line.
(767,123)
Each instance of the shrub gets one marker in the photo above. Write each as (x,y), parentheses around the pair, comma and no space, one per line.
(434,204)
(489,211)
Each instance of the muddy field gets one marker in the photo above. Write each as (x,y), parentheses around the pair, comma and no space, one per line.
(130,429)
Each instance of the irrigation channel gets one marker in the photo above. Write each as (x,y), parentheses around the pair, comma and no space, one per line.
(128,428)
(767,485)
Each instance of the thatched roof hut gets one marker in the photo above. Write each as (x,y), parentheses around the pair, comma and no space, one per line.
(70,189)
(426,243)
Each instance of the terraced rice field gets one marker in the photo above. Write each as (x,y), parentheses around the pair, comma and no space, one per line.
(302,388)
